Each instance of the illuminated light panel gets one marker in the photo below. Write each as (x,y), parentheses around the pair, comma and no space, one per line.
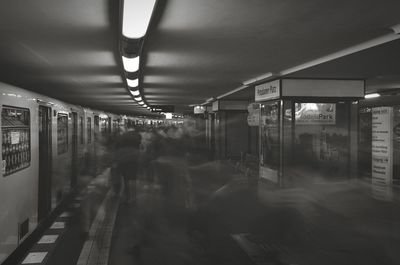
(141,103)
(138,98)
(130,64)
(168,116)
(144,105)
(136,17)
(372,95)
(132,82)
(135,92)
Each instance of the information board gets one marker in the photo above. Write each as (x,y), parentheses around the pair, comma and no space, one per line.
(382,164)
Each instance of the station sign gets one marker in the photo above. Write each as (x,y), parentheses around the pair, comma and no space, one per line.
(267,91)
(163,108)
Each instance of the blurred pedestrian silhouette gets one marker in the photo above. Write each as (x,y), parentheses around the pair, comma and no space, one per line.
(126,163)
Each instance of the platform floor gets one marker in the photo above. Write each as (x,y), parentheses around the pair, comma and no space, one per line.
(208,214)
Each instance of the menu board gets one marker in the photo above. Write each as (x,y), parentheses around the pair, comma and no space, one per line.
(62,133)
(15,139)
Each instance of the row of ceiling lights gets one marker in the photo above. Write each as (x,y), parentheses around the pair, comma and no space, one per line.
(136,17)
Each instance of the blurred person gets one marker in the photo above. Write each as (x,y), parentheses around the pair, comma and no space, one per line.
(126,163)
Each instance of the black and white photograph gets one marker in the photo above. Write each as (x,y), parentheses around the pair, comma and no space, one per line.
(200,132)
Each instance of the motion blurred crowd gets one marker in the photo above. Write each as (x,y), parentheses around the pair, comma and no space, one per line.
(149,152)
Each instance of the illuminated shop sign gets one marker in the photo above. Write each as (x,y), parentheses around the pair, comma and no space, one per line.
(267,91)
(199,109)
(315,113)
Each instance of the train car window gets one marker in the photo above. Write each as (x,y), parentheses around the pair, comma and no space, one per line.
(96,127)
(62,133)
(81,122)
(89,130)
(16,140)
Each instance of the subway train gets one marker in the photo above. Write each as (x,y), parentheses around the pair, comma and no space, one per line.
(49,148)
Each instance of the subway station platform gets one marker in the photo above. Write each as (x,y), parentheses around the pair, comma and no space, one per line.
(187,132)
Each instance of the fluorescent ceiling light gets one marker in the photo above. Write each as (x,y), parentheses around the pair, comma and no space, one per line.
(373,95)
(141,103)
(132,82)
(131,64)
(138,99)
(148,108)
(168,116)
(135,92)
(136,17)
(144,105)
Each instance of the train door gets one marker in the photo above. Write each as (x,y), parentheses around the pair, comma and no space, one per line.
(44,197)
(74,149)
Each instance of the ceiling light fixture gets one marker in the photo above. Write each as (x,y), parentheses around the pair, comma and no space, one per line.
(138,98)
(132,82)
(372,95)
(141,103)
(131,64)
(135,92)
(136,17)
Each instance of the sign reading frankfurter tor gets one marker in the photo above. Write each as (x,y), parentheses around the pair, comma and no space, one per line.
(267,91)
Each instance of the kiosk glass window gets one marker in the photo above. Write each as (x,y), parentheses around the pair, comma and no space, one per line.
(62,133)
(270,135)
(321,139)
(16,145)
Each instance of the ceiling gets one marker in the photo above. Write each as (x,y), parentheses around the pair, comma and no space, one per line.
(65,49)
(194,49)
(202,49)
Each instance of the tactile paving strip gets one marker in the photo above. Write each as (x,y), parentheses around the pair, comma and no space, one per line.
(96,249)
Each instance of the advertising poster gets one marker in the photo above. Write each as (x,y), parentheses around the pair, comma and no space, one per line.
(382,163)
(315,113)
(253,118)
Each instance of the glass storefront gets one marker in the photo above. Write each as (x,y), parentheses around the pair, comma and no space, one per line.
(310,143)
(320,140)
(270,146)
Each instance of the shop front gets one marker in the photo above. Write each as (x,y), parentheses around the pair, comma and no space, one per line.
(305,129)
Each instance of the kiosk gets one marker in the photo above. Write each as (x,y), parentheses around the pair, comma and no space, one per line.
(305,129)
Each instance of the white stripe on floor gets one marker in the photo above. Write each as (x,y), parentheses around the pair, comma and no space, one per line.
(34,257)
